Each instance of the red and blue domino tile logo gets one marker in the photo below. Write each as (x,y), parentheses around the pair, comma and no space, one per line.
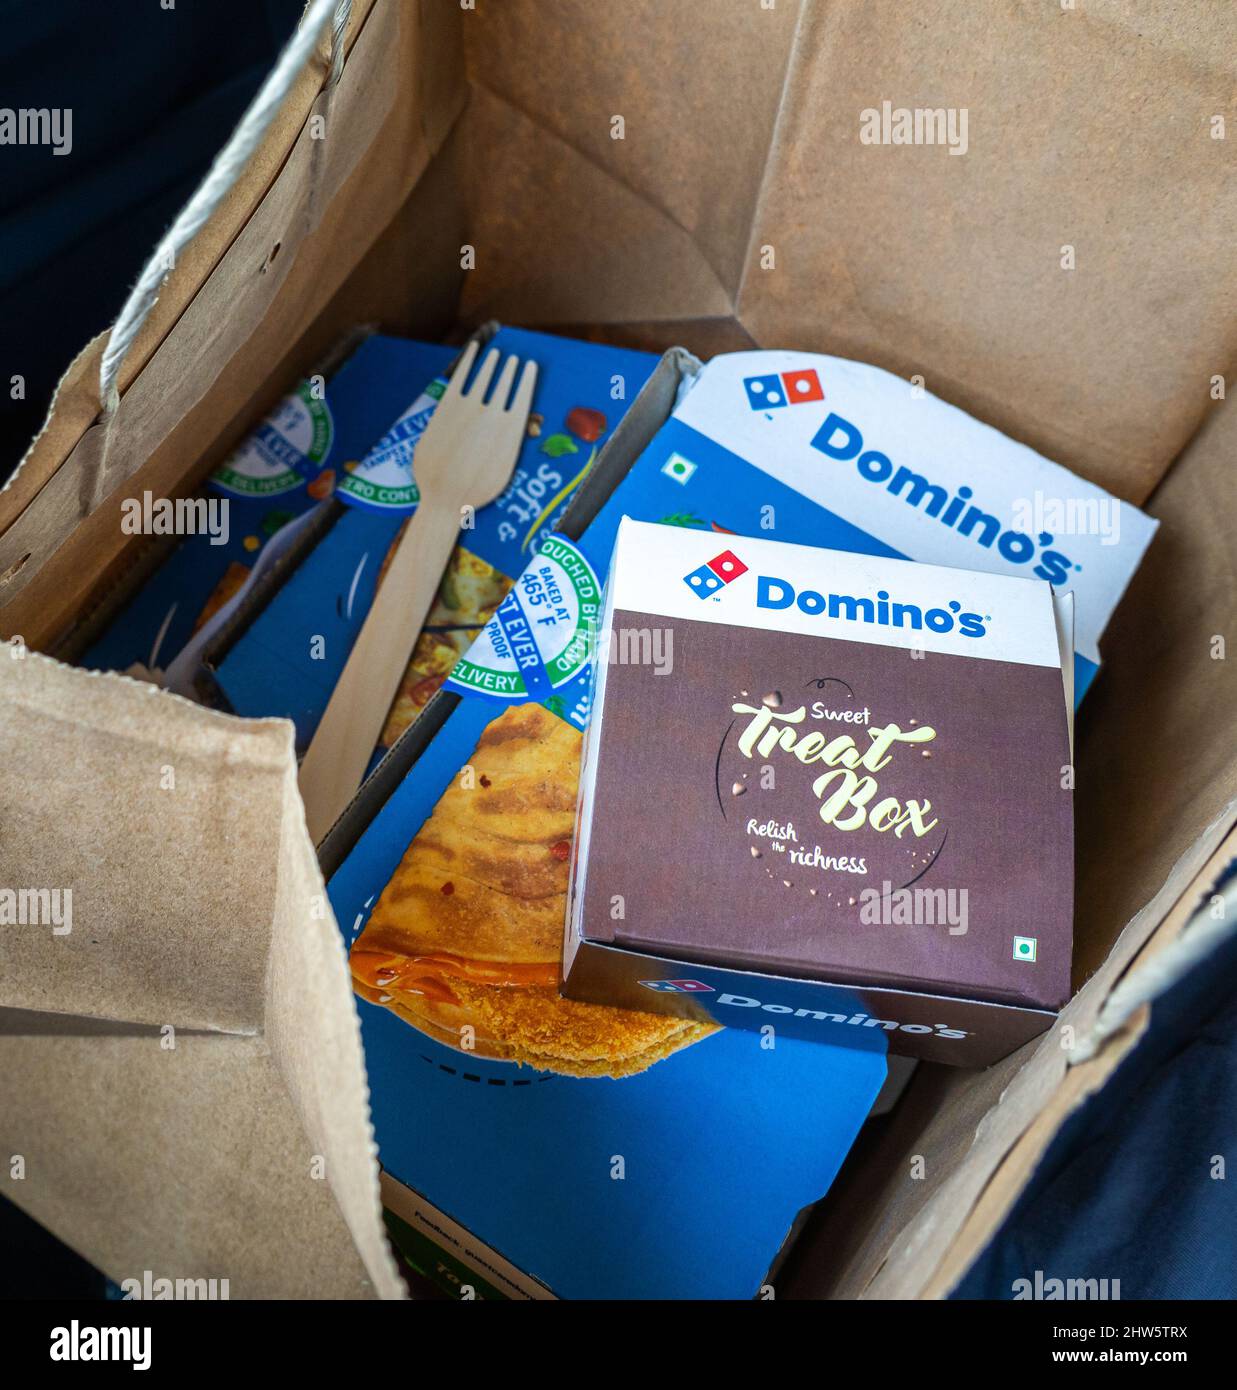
(678,986)
(789,388)
(721,570)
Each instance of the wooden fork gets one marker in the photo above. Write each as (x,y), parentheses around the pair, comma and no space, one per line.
(463,460)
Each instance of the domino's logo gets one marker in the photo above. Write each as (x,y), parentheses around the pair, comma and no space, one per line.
(721,570)
(678,986)
(789,388)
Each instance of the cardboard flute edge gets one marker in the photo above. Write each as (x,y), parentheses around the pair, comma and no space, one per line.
(427,1236)
(450,1245)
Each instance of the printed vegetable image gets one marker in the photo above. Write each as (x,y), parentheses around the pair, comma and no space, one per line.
(586,424)
(323,485)
(559,444)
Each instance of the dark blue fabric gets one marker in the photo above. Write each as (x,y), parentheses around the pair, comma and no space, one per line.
(154,95)
(34,1264)
(1126,1190)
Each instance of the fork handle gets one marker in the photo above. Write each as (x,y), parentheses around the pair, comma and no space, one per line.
(334,766)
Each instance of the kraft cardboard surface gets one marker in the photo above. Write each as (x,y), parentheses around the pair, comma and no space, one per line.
(740,193)
(1157,753)
(182,1069)
(1088,127)
(739,208)
(190,1163)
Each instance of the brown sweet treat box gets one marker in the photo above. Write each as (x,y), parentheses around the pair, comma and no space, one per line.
(829,793)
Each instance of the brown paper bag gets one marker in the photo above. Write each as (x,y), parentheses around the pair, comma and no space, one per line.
(650,173)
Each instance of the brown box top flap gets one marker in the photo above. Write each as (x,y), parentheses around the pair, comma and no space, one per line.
(156,823)
(188,1163)
(199,999)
